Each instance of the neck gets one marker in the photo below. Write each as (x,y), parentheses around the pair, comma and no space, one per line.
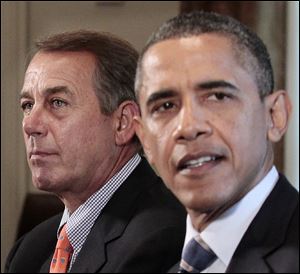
(200,220)
(72,199)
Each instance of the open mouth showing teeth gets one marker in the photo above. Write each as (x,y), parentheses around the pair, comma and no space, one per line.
(198,162)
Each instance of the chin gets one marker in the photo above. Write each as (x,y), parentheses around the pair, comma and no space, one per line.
(43,183)
(201,203)
(202,207)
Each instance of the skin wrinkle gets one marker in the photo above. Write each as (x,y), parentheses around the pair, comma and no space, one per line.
(81,140)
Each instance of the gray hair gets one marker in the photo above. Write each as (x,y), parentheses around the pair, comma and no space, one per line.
(116,62)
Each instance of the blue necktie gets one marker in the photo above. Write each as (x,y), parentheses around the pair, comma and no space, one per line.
(196,256)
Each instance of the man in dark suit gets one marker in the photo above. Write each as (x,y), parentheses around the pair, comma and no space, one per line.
(209,118)
(78,103)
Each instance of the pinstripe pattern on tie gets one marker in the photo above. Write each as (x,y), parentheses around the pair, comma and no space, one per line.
(196,256)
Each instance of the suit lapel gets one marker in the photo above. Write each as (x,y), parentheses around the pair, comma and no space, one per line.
(49,247)
(92,255)
(112,222)
(266,232)
(46,266)
(174,268)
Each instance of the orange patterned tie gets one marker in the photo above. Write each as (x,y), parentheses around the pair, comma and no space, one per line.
(62,254)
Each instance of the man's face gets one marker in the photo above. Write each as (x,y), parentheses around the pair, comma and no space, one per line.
(69,143)
(203,124)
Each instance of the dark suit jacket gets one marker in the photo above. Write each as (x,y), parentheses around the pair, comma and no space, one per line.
(140,230)
(271,243)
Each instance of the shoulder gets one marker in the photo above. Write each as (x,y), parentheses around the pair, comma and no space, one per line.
(283,201)
(148,224)
(272,239)
(35,244)
(280,212)
(154,233)
(154,200)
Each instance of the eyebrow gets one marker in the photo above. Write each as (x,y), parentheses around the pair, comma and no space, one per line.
(216,84)
(48,91)
(161,94)
(209,85)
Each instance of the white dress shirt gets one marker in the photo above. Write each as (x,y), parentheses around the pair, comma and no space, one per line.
(224,234)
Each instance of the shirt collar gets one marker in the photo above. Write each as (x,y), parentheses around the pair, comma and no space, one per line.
(123,173)
(84,217)
(225,233)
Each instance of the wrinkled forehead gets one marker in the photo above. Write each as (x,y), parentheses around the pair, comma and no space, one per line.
(58,60)
(50,67)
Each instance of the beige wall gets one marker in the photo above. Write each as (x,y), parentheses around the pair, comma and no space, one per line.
(132,20)
(13,163)
(291,164)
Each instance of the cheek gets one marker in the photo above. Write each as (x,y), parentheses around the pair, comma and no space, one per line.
(161,152)
(160,142)
(84,136)
(245,137)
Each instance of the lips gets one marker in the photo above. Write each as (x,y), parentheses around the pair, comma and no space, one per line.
(198,160)
(41,153)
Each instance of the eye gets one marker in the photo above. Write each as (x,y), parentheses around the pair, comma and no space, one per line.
(58,103)
(218,96)
(164,107)
(26,106)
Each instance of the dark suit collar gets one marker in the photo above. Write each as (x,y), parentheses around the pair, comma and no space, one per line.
(46,266)
(50,247)
(254,253)
(113,220)
(267,231)
(175,268)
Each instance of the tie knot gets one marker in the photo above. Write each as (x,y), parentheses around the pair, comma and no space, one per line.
(196,256)
(63,240)
(63,253)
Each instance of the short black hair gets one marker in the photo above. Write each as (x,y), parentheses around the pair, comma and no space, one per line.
(249,49)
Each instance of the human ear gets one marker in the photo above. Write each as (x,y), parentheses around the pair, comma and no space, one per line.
(124,128)
(142,135)
(279,110)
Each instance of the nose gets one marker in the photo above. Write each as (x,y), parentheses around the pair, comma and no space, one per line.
(34,123)
(193,121)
